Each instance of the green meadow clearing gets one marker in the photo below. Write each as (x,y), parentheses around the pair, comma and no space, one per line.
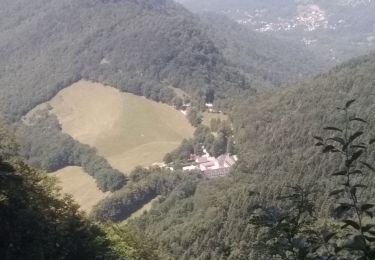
(127,130)
(76,182)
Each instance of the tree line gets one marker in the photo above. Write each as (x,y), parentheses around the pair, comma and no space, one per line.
(45,146)
(144,185)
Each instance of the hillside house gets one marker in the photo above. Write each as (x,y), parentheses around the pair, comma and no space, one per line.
(212,167)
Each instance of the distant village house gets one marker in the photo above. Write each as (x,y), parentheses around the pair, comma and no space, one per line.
(212,167)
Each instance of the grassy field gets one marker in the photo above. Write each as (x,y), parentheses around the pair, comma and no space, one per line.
(127,130)
(207,117)
(76,182)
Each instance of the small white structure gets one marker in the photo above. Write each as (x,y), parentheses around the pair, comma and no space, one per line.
(212,167)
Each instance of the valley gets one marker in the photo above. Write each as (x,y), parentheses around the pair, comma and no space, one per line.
(187,129)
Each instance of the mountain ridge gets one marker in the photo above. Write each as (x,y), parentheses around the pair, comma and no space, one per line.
(335,30)
(131,45)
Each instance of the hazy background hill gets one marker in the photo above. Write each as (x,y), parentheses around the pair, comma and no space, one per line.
(337,30)
(274,132)
(133,45)
(259,56)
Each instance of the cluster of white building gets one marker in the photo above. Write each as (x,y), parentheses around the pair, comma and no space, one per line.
(212,167)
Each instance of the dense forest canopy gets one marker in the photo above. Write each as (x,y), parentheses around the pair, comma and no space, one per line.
(274,133)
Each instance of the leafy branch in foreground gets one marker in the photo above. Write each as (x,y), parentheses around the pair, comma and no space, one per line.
(349,144)
(289,232)
(292,231)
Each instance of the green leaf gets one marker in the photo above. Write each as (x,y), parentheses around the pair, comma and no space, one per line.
(342,173)
(360,186)
(318,138)
(351,139)
(338,140)
(370,239)
(355,136)
(358,119)
(366,207)
(356,172)
(372,141)
(355,156)
(329,148)
(343,209)
(335,192)
(368,166)
(359,146)
(351,223)
(327,237)
(368,228)
(332,128)
(349,103)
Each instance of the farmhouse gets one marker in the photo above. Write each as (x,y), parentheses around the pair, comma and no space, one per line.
(212,167)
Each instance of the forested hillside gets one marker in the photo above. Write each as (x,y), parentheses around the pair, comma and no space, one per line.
(133,45)
(274,134)
(38,222)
